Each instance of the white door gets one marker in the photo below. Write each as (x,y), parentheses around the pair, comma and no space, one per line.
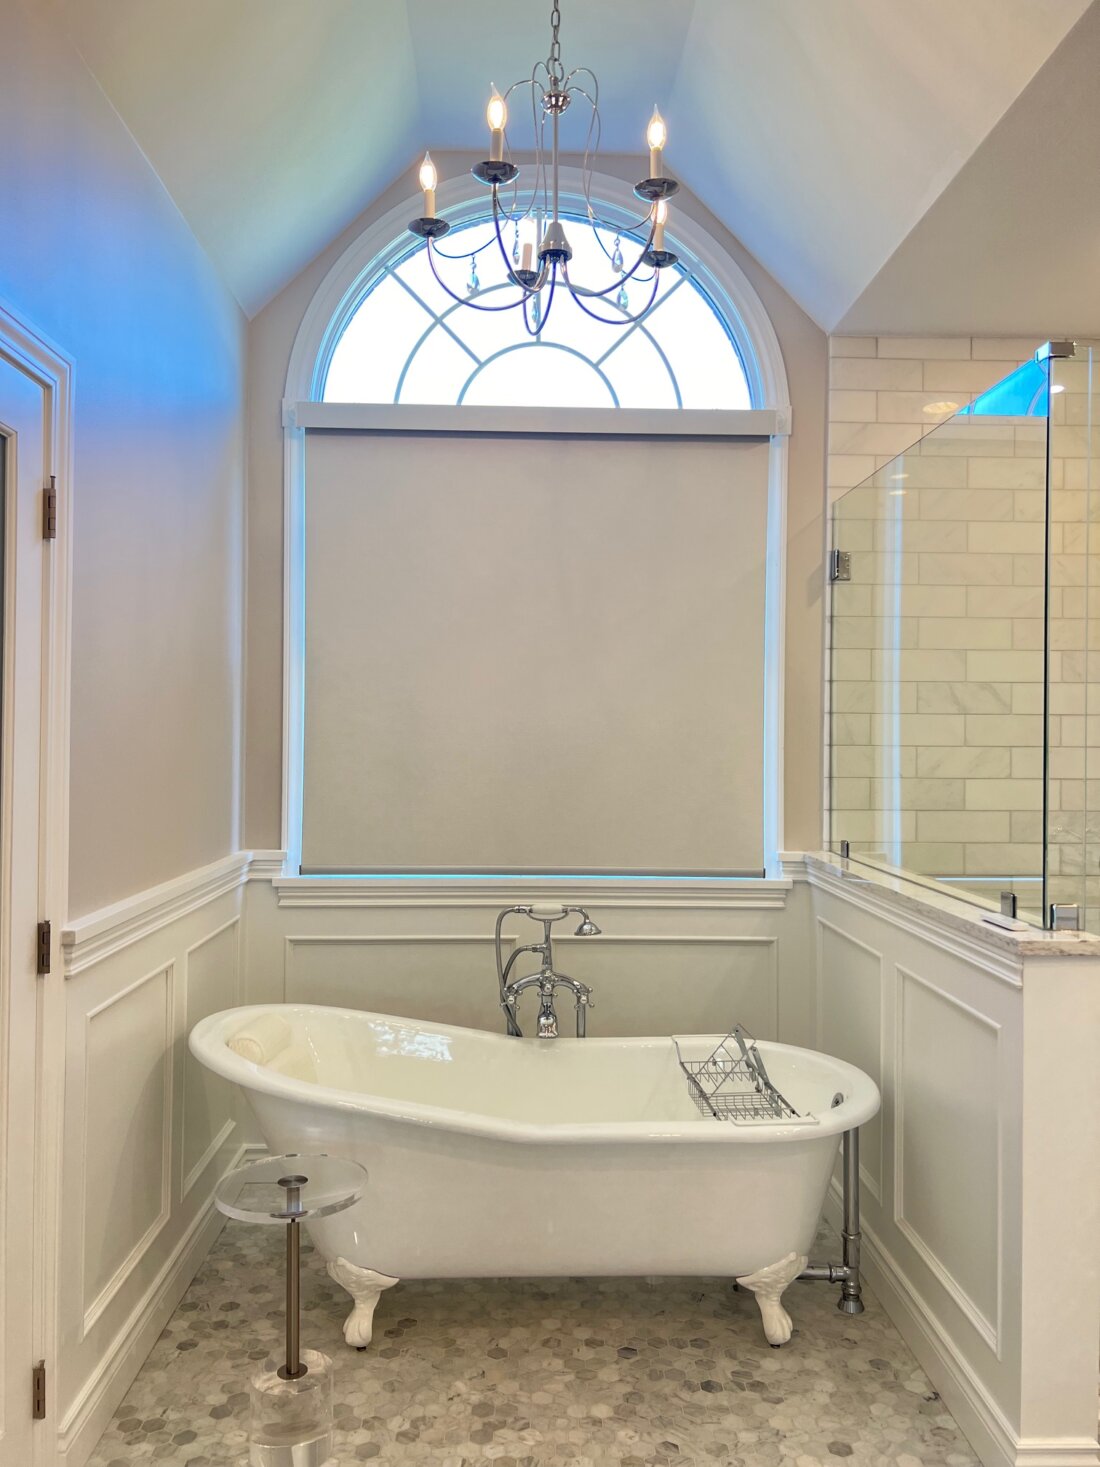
(22,448)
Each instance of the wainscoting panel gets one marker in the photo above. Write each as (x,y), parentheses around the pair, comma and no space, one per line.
(127,1133)
(701,984)
(644,984)
(850,1024)
(947,1152)
(145,1136)
(402,973)
(982,1287)
(211,982)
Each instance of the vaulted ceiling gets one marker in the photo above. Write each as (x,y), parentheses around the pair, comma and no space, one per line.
(821,132)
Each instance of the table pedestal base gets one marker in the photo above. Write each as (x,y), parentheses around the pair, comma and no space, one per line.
(292,1419)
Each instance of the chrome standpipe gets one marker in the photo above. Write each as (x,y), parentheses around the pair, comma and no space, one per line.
(846,1273)
(851,1297)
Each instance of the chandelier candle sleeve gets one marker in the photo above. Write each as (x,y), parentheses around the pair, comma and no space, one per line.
(428,180)
(656,135)
(660,219)
(497,116)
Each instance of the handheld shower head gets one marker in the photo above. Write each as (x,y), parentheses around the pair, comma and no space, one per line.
(587,928)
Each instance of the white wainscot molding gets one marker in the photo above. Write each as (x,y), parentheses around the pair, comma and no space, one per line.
(982,1194)
(494,892)
(146,1131)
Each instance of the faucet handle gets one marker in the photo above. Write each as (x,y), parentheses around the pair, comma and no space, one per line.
(546,911)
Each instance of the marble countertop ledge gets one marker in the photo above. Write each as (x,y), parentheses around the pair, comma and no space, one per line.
(953,912)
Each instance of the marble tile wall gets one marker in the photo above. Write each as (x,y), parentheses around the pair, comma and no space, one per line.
(937,650)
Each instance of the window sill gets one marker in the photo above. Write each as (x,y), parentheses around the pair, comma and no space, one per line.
(495,891)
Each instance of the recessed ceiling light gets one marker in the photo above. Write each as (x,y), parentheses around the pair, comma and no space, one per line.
(897,491)
(941,407)
(1058,387)
(897,478)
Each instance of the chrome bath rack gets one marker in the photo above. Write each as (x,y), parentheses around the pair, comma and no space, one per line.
(732,1083)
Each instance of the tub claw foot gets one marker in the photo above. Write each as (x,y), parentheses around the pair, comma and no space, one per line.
(365,1287)
(768,1285)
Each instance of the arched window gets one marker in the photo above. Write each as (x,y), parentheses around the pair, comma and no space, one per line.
(408,342)
(424,442)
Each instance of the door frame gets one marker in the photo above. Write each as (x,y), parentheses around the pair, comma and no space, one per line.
(53,371)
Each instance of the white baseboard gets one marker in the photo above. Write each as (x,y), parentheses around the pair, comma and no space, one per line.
(87,1418)
(978,1416)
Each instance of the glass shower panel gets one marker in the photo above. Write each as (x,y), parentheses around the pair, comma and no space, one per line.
(936,696)
(1073,688)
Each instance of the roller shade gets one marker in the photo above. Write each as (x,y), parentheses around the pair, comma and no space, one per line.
(534,654)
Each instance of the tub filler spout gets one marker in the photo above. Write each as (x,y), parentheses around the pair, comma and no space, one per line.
(546,980)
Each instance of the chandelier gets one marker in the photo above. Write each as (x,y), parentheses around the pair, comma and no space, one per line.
(542,266)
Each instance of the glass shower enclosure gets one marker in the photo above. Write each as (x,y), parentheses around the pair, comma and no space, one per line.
(964,660)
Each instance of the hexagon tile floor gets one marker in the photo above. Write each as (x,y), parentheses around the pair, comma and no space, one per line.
(584,1372)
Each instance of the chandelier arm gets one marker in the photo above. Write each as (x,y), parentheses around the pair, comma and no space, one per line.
(536,286)
(585,71)
(608,320)
(576,290)
(463,300)
(549,302)
(443,255)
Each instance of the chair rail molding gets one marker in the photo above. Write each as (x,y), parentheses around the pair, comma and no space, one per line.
(100,935)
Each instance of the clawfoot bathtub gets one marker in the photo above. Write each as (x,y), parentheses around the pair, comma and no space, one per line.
(497,1157)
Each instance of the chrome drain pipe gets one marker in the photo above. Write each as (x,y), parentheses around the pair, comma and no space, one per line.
(845,1274)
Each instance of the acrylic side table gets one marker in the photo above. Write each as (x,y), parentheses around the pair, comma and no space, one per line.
(291,1400)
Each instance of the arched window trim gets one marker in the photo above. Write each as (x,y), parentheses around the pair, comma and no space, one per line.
(385,242)
(323,323)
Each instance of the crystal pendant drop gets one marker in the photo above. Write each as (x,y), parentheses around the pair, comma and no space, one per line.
(515,247)
(622,299)
(617,256)
(536,312)
(474,283)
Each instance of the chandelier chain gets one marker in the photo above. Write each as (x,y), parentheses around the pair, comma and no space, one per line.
(553,61)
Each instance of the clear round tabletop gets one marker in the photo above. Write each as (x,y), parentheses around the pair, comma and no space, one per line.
(279,1188)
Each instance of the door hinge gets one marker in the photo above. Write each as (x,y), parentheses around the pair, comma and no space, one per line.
(38,1392)
(49,509)
(840,566)
(43,949)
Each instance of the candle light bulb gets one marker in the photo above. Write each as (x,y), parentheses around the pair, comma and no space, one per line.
(656,135)
(496,114)
(428,180)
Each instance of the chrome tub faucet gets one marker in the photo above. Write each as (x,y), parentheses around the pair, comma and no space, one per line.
(546,980)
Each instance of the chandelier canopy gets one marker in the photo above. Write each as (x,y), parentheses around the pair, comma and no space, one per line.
(543,263)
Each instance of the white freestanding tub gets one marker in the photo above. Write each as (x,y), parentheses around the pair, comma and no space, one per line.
(497,1157)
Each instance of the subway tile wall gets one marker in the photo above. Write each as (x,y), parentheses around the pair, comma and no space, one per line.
(937,661)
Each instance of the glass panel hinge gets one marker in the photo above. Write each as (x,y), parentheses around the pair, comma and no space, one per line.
(840,565)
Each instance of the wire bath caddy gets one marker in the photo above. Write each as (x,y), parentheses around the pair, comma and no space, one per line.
(732,1083)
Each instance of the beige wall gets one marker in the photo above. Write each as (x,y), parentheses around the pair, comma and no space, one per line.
(96,257)
(271,336)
